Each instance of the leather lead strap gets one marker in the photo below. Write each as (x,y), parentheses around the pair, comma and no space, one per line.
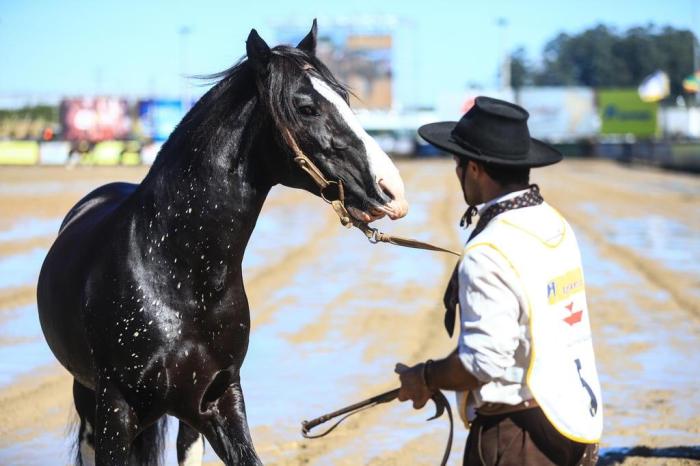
(376,236)
(373,235)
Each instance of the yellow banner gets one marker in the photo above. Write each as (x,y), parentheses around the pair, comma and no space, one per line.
(563,286)
(19,152)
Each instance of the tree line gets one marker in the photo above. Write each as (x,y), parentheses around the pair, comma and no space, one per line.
(603,57)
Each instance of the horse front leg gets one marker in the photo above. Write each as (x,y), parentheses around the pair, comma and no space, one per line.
(116,425)
(223,422)
(190,445)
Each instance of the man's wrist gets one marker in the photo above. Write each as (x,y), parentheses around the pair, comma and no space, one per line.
(426,375)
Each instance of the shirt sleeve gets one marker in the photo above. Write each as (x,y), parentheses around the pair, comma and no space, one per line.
(490,313)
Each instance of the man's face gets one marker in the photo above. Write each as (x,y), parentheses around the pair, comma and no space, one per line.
(467,175)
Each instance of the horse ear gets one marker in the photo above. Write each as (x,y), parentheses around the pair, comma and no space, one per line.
(257,50)
(308,43)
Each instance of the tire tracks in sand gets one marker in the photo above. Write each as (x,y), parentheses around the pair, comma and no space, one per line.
(420,337)
(573,189)
(36,404)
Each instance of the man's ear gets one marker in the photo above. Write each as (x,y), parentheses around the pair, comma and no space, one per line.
(475,167)
(308,43)
(258,51)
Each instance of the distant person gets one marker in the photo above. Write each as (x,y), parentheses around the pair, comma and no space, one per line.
(129,150)
(77,152)
(524,365)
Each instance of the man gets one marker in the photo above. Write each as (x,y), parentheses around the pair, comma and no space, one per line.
(524,354)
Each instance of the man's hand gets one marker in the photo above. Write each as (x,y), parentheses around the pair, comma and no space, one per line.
(413,385)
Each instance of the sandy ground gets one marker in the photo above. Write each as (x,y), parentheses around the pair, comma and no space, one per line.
(331,316)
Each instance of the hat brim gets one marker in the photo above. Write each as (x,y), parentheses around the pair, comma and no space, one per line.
(440,135)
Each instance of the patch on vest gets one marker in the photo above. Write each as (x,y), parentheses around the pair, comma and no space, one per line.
(563,286)
(574,317)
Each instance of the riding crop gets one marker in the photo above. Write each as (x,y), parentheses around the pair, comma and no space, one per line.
(441,405)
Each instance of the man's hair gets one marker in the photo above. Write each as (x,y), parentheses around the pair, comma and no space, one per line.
(507,176)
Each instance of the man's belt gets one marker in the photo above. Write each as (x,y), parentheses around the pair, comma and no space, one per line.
(497,409)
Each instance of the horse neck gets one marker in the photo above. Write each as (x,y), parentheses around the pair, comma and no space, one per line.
(206,200)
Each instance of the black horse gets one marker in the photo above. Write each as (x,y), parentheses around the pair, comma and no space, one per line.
(141,296)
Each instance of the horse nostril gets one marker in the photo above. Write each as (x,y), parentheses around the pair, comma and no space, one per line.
(222,380)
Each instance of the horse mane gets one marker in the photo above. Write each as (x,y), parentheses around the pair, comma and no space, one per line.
(286,64)
(209,121)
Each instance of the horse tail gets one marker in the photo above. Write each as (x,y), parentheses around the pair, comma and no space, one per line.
(73,431)
(147,449)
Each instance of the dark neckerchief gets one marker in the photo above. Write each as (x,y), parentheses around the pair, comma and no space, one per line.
(531,197)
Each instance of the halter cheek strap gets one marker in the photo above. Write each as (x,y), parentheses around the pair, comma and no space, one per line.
(373,235)
(323,184)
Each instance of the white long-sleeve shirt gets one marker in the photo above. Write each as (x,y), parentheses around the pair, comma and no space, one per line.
(493,342)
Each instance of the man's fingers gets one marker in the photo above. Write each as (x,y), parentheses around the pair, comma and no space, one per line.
(418,404)
(400,368)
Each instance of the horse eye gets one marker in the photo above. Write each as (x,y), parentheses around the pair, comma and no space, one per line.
(338,145)
(308,110)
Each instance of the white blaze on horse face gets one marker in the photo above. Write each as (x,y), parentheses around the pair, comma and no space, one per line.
(383,169)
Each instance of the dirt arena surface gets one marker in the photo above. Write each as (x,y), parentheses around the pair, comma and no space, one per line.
(332,314)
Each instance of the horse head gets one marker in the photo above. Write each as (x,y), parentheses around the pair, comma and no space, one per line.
(310,109)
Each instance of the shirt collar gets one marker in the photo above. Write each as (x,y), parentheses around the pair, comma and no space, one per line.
(505,197)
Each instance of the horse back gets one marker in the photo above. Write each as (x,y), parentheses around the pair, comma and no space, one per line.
(98,203)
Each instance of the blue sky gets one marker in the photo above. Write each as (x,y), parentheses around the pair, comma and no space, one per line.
(133,48)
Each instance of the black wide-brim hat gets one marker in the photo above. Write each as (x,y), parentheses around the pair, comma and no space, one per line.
(492,131)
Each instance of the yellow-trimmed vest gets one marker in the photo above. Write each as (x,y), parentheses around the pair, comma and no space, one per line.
(542,249)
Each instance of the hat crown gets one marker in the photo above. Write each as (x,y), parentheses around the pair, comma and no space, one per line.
(492,131)
(495,128)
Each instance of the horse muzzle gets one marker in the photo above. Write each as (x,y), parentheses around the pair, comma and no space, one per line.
(397,207)
(394,206)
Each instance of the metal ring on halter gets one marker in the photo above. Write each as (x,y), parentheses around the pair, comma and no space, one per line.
(374,238)
(341,195)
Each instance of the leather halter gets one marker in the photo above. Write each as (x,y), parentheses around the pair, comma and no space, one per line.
(373,234)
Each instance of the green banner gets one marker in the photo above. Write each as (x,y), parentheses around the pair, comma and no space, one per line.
(623,112)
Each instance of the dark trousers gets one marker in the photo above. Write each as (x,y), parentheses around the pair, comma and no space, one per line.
(523,438)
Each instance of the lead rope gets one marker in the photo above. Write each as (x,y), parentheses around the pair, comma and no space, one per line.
(373,234)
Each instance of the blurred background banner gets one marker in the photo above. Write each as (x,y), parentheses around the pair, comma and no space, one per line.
(95,118)
(560,114)
(358,54)
(623,112)
(19,152)
(158,117)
